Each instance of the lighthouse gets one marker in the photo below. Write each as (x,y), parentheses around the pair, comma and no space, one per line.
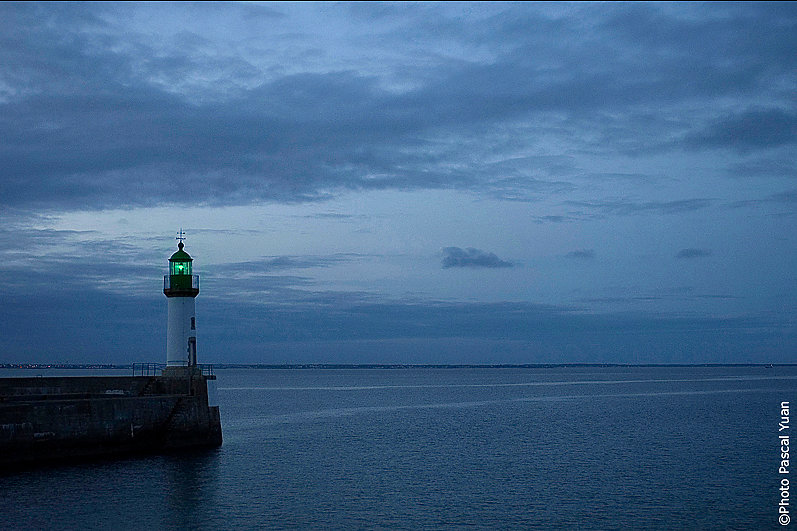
(181,288)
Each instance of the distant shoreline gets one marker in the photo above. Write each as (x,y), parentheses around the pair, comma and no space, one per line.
(299,366)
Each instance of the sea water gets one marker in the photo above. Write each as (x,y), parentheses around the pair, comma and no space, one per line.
(563,447)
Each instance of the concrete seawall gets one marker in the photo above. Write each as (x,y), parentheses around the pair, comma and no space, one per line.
(56,419)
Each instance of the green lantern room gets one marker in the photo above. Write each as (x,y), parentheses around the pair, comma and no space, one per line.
(180,281)
(180,262)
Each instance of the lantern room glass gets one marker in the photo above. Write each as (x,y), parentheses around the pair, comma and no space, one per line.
(180,268)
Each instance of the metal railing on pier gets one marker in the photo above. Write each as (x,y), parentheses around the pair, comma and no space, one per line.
(156,369)
(148,369)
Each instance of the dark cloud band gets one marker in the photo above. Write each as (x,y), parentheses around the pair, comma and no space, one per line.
(471,258)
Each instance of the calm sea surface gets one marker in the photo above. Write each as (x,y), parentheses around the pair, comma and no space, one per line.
(559,448)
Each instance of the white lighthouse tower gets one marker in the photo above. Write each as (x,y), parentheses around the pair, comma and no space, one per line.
(180,288)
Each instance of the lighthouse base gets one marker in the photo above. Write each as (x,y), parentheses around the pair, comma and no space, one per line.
(51,420)
(183,372)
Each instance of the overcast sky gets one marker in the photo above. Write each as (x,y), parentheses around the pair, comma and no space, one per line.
(401,183)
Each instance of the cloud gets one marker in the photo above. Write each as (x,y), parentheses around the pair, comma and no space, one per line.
(471,258)
(582,254)
(267,264)
(754,129)
(764,167)
(98,112)
(693,253)
(786,198)
(554,219)
(627,207)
